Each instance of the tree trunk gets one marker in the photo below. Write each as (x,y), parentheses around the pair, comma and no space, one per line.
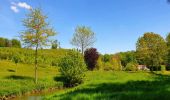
(36,53)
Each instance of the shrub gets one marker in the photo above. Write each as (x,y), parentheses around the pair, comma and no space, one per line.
(163,68)
(107,66)
(99,64)
(132,66)
(116,63)
(72,68)
(91,56)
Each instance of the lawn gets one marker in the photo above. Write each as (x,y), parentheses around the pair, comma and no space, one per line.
(108,85)
(17,80)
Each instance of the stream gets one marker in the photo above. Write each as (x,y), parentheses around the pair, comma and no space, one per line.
(35,96)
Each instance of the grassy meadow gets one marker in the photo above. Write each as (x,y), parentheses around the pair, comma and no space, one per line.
(109,85)
(16,80)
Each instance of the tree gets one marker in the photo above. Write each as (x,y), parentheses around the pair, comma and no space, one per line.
(2,42)
(106,58)
(151,48)
(83,38)
(8,43)
(16,59)
(116,63)
(91,56)
(55,44)
(16,43)
(168,51)
(127,57)
(99,64)
(72,68)
(37,32)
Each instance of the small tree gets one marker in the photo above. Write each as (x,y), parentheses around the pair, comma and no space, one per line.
(37,32)
(91,56)
(72,68)
(16,60)
(83,37)
(55,44)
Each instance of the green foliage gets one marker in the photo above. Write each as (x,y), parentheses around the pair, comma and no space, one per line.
(4,42)
(16,43)
(45,57)
(55,44)
(126,57)
(83,37)
(16,59)
(72,68)
(168,52)
(116,63)
(99,65)
(132,66)
(107,66)
(106,58)
(151,49)
(163,68)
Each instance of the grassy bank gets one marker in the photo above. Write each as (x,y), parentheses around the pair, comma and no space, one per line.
(119,86)
(16,80)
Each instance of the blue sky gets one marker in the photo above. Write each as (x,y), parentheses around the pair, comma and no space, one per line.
(117,23)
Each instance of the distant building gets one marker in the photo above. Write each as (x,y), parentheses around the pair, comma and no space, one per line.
(143,67)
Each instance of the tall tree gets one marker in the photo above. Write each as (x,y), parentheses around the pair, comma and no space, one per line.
(151,48)
(37,32)
(168,51)
(83,37)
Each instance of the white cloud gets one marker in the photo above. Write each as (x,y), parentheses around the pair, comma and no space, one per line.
(14,9)
(15,6)
(23,5)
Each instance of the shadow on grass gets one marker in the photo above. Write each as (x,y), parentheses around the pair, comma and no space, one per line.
(59,79)
(10,70)
(16,77)
(131,90)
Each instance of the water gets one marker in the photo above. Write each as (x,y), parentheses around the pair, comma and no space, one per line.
(29,97)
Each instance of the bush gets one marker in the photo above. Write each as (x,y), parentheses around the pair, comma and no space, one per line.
(116,63)
(132,66)
(168,67)
(72,68)
(107,66)
(91,56)
(99,64)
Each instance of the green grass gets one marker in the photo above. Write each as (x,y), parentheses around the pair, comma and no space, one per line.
(20,79)
(100,85)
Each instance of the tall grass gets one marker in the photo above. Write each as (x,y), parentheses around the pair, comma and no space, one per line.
(17,82)
(118,86)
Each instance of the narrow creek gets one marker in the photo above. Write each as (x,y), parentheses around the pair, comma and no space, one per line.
(36,96)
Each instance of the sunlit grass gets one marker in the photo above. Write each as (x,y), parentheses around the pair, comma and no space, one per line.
(100,85)
(20,79)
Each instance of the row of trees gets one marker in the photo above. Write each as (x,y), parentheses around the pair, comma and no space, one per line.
(151,49)
(37,33)
(4,42)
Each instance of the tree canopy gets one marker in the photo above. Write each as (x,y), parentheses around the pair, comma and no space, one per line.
(83,37)
(151,48)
